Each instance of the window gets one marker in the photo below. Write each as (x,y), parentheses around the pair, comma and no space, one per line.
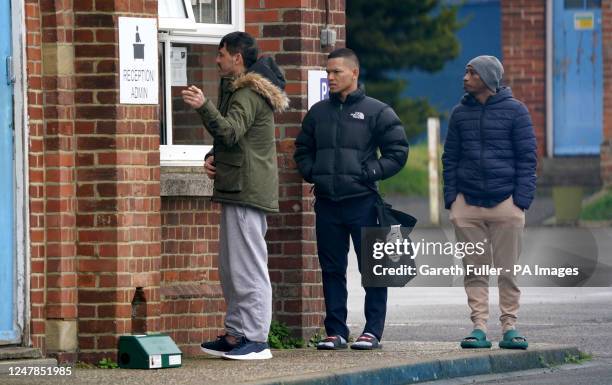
(593,4)
(189,34)
(207,18)
(572,4)
(175,15)
(212,11)
(582,4)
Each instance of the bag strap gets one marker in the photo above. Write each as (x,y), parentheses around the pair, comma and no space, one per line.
(375,191)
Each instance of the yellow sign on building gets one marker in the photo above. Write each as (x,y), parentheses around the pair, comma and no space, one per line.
(584,21)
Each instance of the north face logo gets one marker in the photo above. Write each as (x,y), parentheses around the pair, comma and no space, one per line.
(358,115)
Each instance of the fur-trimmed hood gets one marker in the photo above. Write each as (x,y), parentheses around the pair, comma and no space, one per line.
(265,78)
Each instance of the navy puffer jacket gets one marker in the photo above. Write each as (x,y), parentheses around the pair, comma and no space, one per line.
(490,152)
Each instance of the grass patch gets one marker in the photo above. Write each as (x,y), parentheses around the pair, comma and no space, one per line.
(581,358)
(578,359)
(280,337)
(84,365)
(544,363)
(317,337)
(598,210)
(413,178)
(107,363)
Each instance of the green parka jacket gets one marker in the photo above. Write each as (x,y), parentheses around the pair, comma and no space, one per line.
(244,148)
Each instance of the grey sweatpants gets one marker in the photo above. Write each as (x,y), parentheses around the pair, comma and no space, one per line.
(243,271)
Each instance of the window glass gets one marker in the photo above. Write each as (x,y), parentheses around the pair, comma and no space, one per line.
(201,71)
(171,8)
(212,11)
(593,4)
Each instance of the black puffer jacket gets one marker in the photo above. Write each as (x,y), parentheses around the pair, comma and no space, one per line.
(337,147)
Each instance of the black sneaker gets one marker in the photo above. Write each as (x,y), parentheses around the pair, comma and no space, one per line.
(218,347)
(249,350)
(332,343)
(366,341)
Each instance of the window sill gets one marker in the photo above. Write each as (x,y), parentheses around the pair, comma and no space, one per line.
(185,181)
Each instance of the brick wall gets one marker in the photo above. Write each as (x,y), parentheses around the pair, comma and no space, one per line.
(118,210)
(94,182)
(36,173)
(192,303)
(59,177)
(109,256)
(524,58)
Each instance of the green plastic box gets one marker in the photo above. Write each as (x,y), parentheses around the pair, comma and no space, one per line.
(149,351)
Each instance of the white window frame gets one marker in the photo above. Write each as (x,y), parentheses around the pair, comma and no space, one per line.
(220,30)
(184,31)
(178,23)
(21,164)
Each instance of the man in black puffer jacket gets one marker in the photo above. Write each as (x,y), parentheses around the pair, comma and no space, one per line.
(489,180)
(337,151)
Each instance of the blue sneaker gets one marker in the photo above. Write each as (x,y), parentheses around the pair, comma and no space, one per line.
(249,350)
(218,347)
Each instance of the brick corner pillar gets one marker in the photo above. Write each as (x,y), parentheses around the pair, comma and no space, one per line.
(36,178)
(289,30)
(118,190)
(606,146)
(57,54)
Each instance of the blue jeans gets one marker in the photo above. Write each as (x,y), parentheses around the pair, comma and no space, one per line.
(335,223)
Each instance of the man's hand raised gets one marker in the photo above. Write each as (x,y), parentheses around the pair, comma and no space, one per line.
(194,97)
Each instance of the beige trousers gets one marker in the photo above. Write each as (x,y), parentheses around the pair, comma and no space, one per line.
(500,228)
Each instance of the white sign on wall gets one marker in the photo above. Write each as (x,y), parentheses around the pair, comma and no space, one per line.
(138,73)
(318,87)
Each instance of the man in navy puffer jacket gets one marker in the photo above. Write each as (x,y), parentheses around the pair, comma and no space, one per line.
(489,165)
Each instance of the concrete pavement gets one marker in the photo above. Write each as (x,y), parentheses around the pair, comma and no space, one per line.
(398,363)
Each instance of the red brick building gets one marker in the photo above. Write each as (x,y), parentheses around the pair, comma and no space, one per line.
(116,230)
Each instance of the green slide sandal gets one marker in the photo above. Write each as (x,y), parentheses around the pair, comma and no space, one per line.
(513,340)
(476,340)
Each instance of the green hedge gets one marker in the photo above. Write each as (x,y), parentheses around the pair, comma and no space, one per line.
(598,210)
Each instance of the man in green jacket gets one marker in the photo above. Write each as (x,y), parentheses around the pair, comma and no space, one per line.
(244,168)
